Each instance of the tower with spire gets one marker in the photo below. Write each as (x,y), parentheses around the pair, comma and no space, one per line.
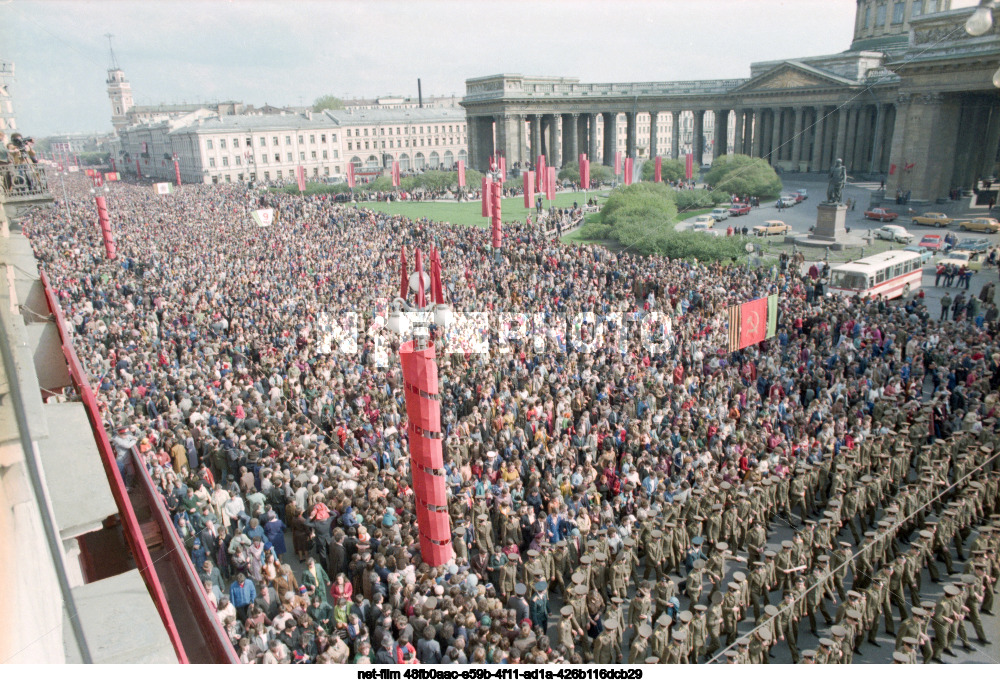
(119,91)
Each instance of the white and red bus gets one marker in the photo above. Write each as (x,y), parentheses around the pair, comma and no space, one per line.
(890,274)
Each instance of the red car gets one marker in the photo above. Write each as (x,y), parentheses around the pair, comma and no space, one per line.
(883,215)
(739,209)
(933,242)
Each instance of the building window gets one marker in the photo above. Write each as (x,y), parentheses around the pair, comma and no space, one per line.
(357,132)
(390,144)
(225,161)
(917,9)
(228,180)
(302,156)
(208,144)
(300,139)
(333,136)
(366,132)
(267,175)
(326,170)
(277,158)
(289,156)
(288,139)
(880,16)
(263,142)
(397,130)
(336,155)
(249,142)
(324,154)
(898,11)
(279,175)
(366,144)
(322,138)
(274,141)
(236,143)
(312,154)
(312,139)
(350,146)
(336,169)
(222,143)
(237,161)
(211,162)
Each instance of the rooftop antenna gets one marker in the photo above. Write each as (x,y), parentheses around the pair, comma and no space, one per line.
(114,60)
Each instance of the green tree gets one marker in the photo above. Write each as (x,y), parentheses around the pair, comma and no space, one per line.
(672,170)
(327,102)
(743,175)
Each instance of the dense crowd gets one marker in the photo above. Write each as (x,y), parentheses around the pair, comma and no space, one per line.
(598,499)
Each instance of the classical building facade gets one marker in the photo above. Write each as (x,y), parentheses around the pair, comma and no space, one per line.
(912,102)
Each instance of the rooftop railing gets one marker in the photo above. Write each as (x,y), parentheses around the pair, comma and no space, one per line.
(24,183)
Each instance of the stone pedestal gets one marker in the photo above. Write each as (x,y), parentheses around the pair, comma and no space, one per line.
(830,219)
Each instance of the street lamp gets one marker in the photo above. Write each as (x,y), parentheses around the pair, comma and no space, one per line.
(980,21)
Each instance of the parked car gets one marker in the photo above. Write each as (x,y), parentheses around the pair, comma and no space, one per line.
(803,193)
(703,223)
(933,242)
(975,245)
(883,215)
(720,214)
(772,228)
(932,218)
(739,209)
(970,260)
(894,233)
(991,225)
(925,253)
(785,202)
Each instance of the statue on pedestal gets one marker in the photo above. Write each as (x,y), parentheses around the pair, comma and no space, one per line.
(838,178)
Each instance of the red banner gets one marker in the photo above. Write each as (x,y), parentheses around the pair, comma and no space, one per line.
(658,170)
(689,166)
(540,173)
(487,197)
(461,173)
(629,166)
(585,174)
(395,174)
(892,168)
(105,222)
(111,176)
(497,189)
(753,322)
(503,170)
(300,177)
(550,183)
(618,163)
(581,159)
(177,171)
(529,188)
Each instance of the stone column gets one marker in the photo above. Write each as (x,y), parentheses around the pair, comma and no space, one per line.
(875,163)
(630,135)
(592,138)
(477,159)
(536,137)
(555,156)
(817,148)
(797,139)
(522,147)
(775,135)
(698,137)
(738,133)
(841,135)
(675,135)
(610,137)
(862,135)
(571,135)
(828,138)
(757,148)
(992,142)
(721,135)
(852,131)
(653,132)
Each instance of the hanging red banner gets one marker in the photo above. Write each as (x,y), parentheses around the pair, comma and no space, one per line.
(753,322)
(629,166)
(658,170)
(689,166)
(540,173)
(395,174)
(105,222)
(487,197)
(529,188)
(618,163)
(350,174)
(461,173)
(300,177)
(550,183)
(503,170)
(137,169)
(497,190)
(585,173)
(177,171)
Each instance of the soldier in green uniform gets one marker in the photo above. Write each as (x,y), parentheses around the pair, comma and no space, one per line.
(943,620)
(699,632)
(639,645)
(714,623)
(603,647)
(787,622)
(915,626)
(758,588)
(661,636)
(570,630)
(731,608)
(693,583)
(665,589)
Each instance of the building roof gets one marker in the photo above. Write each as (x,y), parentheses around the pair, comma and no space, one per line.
(323,120)
(407,116)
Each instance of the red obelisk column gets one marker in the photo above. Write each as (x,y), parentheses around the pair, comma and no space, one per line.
(423,412)
(102,216)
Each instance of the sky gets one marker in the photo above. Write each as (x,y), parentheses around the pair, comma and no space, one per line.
(293,51)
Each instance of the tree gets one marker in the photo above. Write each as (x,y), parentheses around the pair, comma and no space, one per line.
(672,170)
(745,176)
(327,102)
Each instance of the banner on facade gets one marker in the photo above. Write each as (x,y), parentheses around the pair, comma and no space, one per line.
(164,188)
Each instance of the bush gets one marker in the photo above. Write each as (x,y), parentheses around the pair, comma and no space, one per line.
(672,170)
(641,217)
(743,175)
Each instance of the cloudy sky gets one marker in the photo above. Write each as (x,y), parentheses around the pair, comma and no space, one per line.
(291,52)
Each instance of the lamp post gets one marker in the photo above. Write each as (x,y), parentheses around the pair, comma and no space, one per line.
(423,407)
(495,176)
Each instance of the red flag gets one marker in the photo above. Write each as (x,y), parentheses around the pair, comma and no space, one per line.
(892,168)
(550,183)
(421,298)
(437,292)
(461,173)
(487,197)
(300,176)
(529,188)
(658,170)
(585,173)
(618,163)
(350,174)
(582,158)
(753,322)
(395,174)
(404,277)
(629,165)
(540,173)
(105,223)
(503,169)
(113,166)
(689,166)
(497,206)
(177,171)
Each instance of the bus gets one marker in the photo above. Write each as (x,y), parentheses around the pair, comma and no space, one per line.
(890,274)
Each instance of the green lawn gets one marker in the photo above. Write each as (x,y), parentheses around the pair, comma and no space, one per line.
(470,213)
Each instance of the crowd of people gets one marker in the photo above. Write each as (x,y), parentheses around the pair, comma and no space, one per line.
(599,500)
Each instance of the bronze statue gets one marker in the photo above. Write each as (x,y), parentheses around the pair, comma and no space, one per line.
(838,178)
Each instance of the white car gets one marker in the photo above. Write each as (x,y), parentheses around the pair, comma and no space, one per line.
(703,223)
(720,214)
(894,233)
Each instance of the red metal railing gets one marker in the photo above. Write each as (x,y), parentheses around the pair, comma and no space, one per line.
(133,534)
(215,640)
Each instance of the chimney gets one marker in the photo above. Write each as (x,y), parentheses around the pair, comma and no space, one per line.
(420,95)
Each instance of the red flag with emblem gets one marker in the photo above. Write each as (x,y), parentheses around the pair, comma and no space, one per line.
(529,188)
(753,322)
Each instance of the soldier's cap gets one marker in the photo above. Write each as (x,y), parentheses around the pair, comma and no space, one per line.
(698,564)
(483,518)
(577,577)
(968,579)
(854,614)
(739,576)
(566,611)
(809,654)
(732,654)
(685,616)
(580,590)
(700,608)
(770,553)
(616,600)
(565,544)
(845,544)
(697,540)
(764,633)
(652,660)
(602,532)
(867,479)
(823,559)
(656,533)
(899,657)
(952,590)
(645,631)
(680,634)
(928,605)
(733,586)
(610,624)
(950,512)
(743,642)
(787,545)
(586,559)
(925,533)
(870,534)
(758,563)
(725,486)
(910,640)
(600,557)
(717,507)
(664,620)
(513,557)
(520,589)
(593,543)
(853,594)
(716,598)
(986,449)
(533,553)
(919,612)
(839,630)
(770,610)
(826,642)
(629,542)
(722,545)
(883,522)
(541,586)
